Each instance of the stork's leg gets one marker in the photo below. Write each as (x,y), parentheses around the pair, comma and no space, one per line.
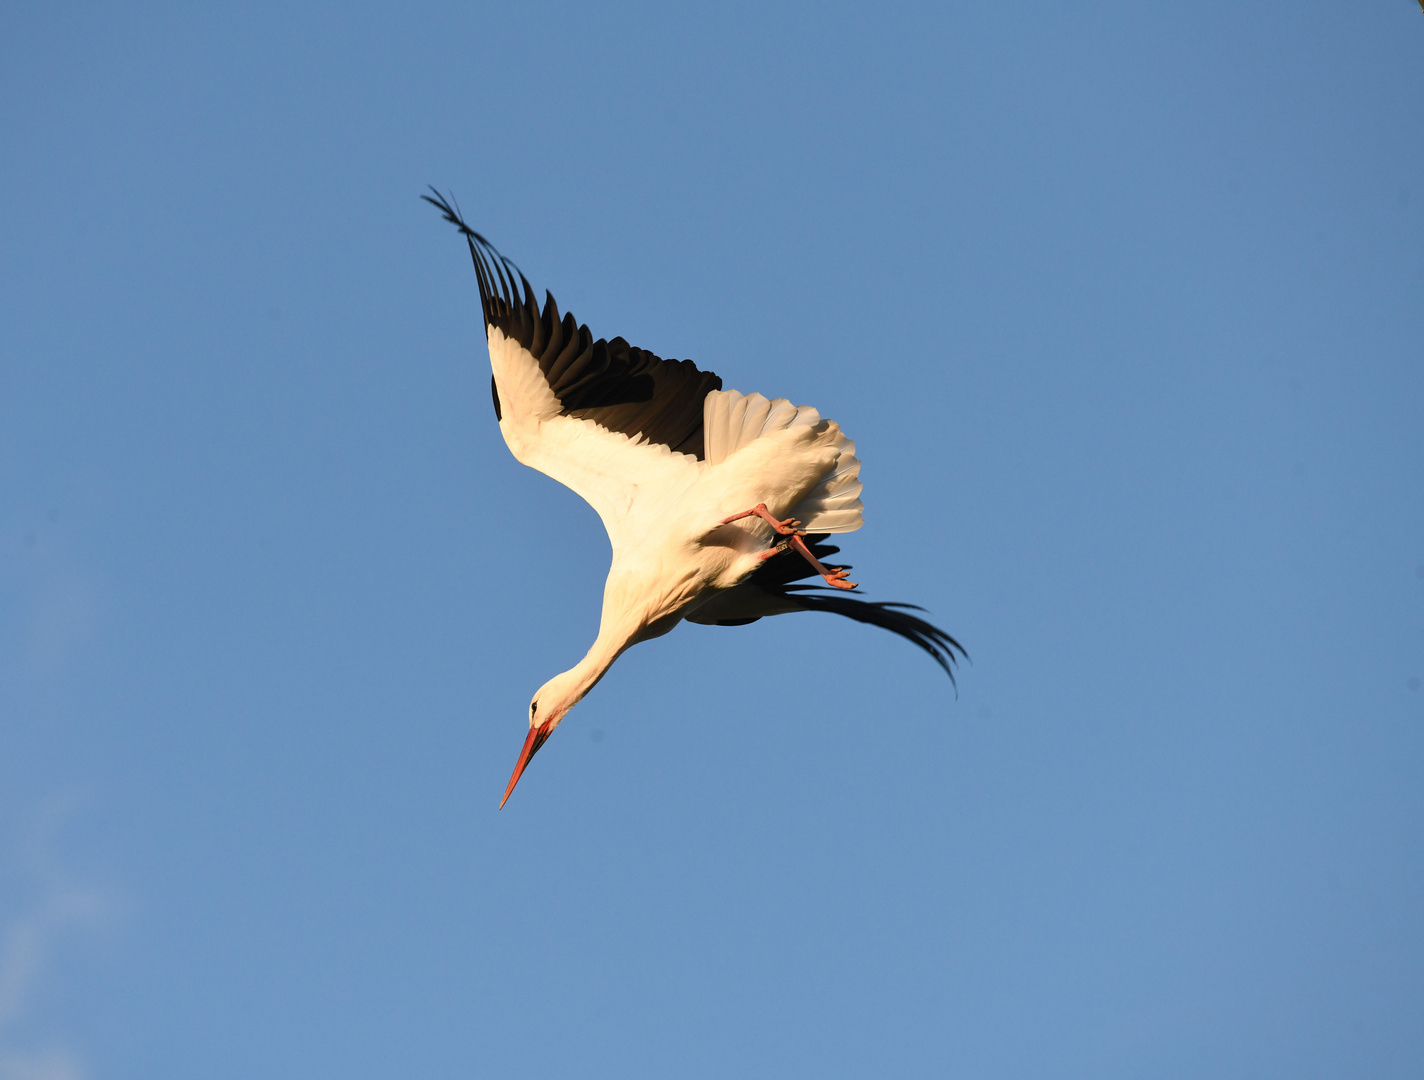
(785,528)
(793,539)
(833,577)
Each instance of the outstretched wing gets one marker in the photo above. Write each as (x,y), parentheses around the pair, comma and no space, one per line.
(610,421)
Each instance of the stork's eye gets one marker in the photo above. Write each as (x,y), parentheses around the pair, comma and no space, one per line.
(533,708)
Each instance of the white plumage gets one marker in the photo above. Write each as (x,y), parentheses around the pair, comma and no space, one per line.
(731,420)
(715,501)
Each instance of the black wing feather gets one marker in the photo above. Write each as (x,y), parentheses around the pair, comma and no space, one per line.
(778,574)
(887,615)
(618,386)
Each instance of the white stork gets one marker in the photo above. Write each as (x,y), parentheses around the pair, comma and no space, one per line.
(715,502)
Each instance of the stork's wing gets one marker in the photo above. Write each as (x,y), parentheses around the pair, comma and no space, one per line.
(771,590)
(605,419)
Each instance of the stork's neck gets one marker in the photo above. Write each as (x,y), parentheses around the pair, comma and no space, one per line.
(630,615)
(584,675)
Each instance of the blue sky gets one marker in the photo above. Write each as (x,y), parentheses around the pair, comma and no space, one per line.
(1123,305)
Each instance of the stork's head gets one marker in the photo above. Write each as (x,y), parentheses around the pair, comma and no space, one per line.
(547,710)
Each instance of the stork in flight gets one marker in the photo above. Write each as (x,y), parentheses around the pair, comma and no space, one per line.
(717,503)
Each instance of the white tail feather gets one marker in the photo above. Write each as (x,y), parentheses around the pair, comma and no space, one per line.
(730,420)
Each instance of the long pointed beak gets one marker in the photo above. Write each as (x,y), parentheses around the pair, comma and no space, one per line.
(536,738)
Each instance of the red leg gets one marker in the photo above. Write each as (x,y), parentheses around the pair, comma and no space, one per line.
(788,529)
(785,528)
(833,577)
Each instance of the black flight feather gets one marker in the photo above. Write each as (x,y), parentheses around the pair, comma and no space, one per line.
(614,384)
(888,616)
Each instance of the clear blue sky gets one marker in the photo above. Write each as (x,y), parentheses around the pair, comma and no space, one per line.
(1123,305)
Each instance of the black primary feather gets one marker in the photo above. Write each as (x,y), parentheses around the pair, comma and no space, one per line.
(614,384)
(777,575)
(887,615)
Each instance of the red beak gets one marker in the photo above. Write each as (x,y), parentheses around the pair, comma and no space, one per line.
(536,738)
